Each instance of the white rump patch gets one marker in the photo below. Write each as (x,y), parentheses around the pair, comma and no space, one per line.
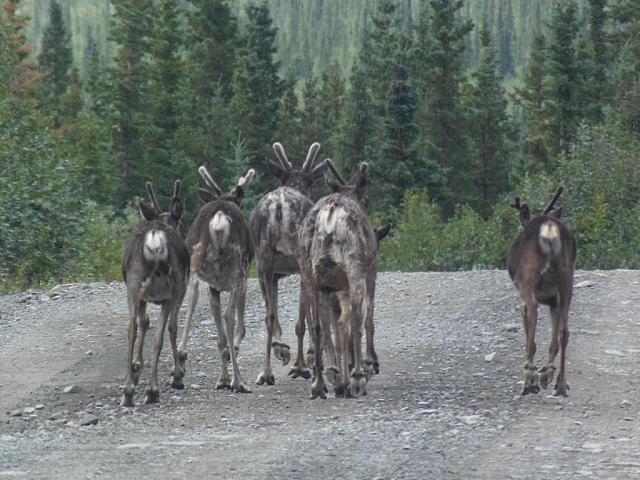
(549,238)
(220,229)
(155,246)
(329,218)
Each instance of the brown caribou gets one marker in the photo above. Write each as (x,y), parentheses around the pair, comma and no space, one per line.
(541,264)
(155,268)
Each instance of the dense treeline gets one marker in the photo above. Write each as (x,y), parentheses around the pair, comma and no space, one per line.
(196,83)
(313,35)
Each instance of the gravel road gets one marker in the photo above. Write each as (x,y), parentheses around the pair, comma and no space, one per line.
(446,404)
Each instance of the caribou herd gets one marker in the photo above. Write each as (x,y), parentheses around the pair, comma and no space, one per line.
(333,247)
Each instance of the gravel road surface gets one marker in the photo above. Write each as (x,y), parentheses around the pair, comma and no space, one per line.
(446,404)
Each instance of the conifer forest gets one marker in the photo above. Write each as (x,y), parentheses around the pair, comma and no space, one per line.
(457,106)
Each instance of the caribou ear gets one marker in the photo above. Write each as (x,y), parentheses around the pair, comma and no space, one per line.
(278,170)
(556,212)
(205,195)
(238,195)
(361,179)
(176,208)
(146,212)
(525,214)
(333,185)
(318,171)
(382,232)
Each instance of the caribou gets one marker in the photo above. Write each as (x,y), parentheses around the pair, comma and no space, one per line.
(337,253)
(155,268)
(541,264)
(221,250)
(275,222)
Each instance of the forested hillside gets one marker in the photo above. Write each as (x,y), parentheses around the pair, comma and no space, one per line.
(416,89)
(312,35)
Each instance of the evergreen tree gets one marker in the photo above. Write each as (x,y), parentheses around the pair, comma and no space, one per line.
(562,104)
(331,98)
(291,130)
(356,126)
(55,58)
(531,97)
(257,87)
(627,87)
(592,62)
(212,44)
(71,102)
(311,115)
(505,30)
(397,163)
(165,71)
(490,130)
(129,74)
(442,118)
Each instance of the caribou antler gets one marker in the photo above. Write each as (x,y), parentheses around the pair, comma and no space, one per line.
(553,200)
(335,172)
(152,197)
(246,180)
(311,157)
(279,151)
(204,173)
(177,189)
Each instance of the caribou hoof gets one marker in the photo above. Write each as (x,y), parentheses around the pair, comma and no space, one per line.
(318,389)
(310,358)
(357,385)
(562,389)
(239,387)
(177,375)
(136,368)
(151,395)
(127,397)
(282,352)
(546,376)
(223,383)
(266,378)
(225,354)
(297,371)
(529,388)
(333,375)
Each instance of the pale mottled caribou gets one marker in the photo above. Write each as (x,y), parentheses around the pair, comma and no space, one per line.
(275,222)
(337,253)
(221,249)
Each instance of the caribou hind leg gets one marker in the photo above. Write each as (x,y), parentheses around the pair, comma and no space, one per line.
(180,368)
(129,385)
(143,325)
(299,368)
(152,392)
(530,319)
(358,381)
(269,288)
(224,382)
(230,321)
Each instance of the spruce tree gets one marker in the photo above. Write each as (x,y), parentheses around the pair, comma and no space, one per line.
(593,64)
(442,117)
(55,59)
(562,87)
(505,32)
(257,87)
(490,130)
(397,162)
(331,98)
(212,45)
(129,77)
(531,97)
(165,72)
(356,127)
(311,115)
(290,127)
